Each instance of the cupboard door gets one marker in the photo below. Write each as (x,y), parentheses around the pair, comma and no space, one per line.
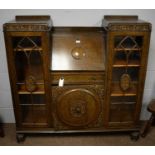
(78,106)
(26,58)
(28,55)
(126,68)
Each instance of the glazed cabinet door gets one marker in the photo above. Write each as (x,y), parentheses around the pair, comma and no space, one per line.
(28,60)
(126,75)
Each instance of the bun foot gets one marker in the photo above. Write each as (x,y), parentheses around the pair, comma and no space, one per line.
(135,135)
(20,137)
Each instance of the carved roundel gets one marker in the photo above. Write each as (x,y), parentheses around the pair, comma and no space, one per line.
(78,107)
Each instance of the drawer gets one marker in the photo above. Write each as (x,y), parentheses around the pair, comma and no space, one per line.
(78,77)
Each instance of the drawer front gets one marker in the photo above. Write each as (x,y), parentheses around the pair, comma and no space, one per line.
(78,107)
(78,77)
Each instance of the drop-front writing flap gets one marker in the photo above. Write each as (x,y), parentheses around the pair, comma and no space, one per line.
(78,49)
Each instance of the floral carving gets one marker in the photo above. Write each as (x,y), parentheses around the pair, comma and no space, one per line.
(129,27)
(78,109)
(24,27)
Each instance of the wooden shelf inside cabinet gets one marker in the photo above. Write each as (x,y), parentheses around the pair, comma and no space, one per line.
(125,103)
(127,49)
(39,82)
(116,90)
(122,63)
(35,104)
(34,124)
(39,90)
(27,49)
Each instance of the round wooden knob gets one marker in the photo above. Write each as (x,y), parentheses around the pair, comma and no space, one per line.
(78,53)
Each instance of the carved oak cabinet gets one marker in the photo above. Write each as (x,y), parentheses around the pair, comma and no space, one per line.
(77,79)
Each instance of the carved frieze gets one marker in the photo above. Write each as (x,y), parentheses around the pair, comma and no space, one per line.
(129,27)
(25,27)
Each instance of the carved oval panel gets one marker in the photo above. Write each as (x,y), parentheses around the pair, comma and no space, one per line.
(78,107)
(125,82)
(30,83)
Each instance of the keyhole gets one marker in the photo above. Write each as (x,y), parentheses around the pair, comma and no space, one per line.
(78,110)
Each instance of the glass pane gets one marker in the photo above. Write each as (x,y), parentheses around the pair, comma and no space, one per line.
(123,99)
(30,65)
(38,99)
(25,99)
(125,42)
(122,112)
(34,115)
(134,59)
(36,65)
(27,41)
(127,59)
(28,99)
(132,71)
(28,57)
(21,66)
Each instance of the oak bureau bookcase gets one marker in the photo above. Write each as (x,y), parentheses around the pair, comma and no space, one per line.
(77,79)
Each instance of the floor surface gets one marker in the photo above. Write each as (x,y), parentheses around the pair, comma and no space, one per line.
(105,139)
